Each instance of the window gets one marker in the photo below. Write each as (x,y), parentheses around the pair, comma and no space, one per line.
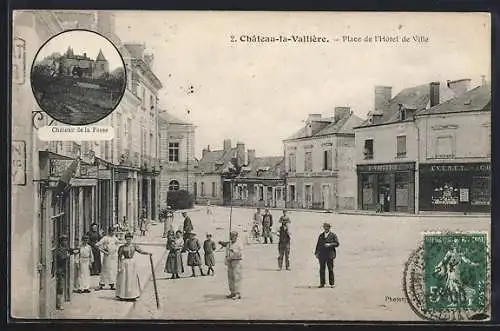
(292,192)
(202,189)
(195,189)
(151,102)
(368,150)
(327,160)
(261,193)
(444,146)
(214,193)
(402,114)
(173,153)
(401,146)
(308,161)
(143,96)
(173,185)
(291,163)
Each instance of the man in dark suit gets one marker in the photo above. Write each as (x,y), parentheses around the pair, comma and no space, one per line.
(187,226)
(326,253)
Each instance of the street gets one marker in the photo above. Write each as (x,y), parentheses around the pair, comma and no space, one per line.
(368,270)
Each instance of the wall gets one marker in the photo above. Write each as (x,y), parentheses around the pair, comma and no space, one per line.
(208,179)
(470,132)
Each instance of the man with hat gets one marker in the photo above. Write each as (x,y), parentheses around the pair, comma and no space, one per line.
(187,226)
(267,224)
(62,253)
(325,253)
(284,218)
(234,256)
(193,248)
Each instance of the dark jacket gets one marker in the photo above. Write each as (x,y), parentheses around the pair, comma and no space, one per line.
(323,252)
(267,220)
(188,226)
(284,236)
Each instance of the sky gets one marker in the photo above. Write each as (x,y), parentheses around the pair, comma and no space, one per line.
(82,42)
(261,93)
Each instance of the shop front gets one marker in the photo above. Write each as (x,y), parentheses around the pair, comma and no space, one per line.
(387,187)
(455,187)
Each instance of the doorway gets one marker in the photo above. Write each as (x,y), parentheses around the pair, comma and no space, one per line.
(325,196)
(308,196)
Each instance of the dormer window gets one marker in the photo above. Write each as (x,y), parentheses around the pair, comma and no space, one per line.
(403,115)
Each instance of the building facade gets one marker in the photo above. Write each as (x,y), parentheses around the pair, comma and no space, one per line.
(319,162)
(455,154)
(177,141)
(104,188)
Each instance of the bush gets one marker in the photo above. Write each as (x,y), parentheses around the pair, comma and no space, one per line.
(180,199)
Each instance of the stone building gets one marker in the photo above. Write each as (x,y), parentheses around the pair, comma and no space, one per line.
(91,68)
(177,142)
(108,182)
(319,162)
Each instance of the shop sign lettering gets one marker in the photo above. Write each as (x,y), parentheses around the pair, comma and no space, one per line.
(57,167)
(386,167)
(88,171)
(457,167)
(18,162)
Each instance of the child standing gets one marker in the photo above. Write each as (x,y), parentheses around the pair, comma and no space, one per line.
(209,247)
(174,265)
(84,259)
(193,259)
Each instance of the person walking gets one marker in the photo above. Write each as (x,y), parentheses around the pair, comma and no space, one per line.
(127,280)
(284,246)
(234,256)
(109,245)
(193,249)
(325,253)
(169,222)
(62,254)
(285,218)
(84,261)
(187,226)
(174,264)
(267,223)
(209,247)
(143,226)
(94,237)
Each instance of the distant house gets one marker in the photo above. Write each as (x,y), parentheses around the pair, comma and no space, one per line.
(70,64)
(319,162)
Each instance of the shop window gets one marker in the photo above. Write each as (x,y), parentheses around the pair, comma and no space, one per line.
(444,147)
(402,189)
(214,193)
(173,152)
(291,163)
(367,187)
(292,192)
(480,193)
(173,185)
(308,161)
(327,160)
(368,149)
(401,146)
(445,193)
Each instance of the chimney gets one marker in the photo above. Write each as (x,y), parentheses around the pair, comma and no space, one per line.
(251,155)
(240,153)
(205,151)
(434,93)
(85,55)
(383,95)
(227,144)
(459,86)
(341,112)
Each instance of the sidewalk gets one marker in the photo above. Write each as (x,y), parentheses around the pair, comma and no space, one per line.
(103,304)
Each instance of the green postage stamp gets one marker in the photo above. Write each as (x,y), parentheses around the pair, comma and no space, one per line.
(448,277)
(455,270)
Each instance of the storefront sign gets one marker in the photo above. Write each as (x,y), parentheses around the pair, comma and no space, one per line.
(57,167)
(480,167)
(18,61)
(386,167)
(119,176)
(104,174)
(88,171)
(18,162)
(83,182)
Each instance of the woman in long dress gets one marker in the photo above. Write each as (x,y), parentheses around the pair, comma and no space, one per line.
(84,260)
(109,245)
(127,280)
(174,263)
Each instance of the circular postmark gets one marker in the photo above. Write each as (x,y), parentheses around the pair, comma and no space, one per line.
(78,77)
(447,278)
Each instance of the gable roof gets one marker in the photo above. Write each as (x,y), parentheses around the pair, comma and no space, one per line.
(416,98)
(477,99)
(328,126)
(214,162)
(264,167)
(167,118)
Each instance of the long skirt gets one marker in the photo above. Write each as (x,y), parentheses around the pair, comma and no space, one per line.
(84,274)
(194,259)
(209,259)
(234,275)
(127,281)
(109,269)
(96,265)
(174,263)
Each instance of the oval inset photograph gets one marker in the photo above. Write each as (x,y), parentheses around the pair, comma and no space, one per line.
(78,77)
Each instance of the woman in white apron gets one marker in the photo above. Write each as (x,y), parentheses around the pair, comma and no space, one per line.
(109,246)
(84,260)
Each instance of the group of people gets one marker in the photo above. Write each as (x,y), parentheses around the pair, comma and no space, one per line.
(117,269)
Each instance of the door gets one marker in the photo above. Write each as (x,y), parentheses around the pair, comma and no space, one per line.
(270,197)
(308,196)
(326,197)
(226,193)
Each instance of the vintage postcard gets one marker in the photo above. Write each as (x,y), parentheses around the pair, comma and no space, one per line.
(321,166)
